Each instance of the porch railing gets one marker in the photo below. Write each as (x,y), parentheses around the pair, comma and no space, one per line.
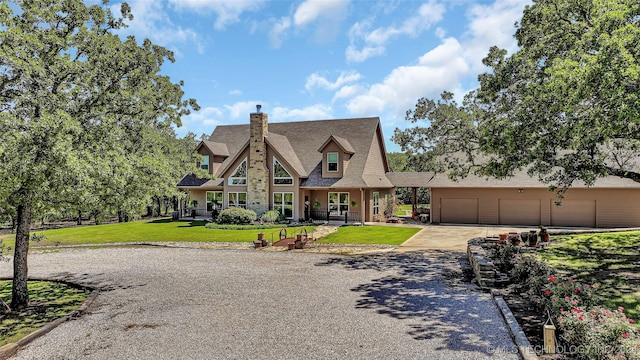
(324,215)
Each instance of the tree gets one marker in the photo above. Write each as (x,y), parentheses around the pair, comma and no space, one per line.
(75,99)
(565,106)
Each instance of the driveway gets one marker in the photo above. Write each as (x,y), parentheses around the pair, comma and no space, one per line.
(181,303)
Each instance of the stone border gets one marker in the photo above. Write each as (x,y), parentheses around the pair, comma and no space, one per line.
(11,349)
(518,336)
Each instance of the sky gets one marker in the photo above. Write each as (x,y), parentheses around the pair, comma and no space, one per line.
(322,59)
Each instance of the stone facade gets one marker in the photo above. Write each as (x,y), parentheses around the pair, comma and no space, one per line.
(257,172)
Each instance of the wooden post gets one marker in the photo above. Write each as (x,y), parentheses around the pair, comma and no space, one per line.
(549,336)
(414,199)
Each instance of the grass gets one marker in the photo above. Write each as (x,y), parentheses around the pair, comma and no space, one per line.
(48,301)
(401,208)
(159,230)
(388,235)
(610,259)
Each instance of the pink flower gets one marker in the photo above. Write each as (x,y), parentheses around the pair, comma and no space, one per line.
(620,308)
(547,292)
(578,289)
(552,278)
(574,302)
(625,335)
(587,286)
(581,317)
(576,310)
(567,298)
(561,309)
(631,321)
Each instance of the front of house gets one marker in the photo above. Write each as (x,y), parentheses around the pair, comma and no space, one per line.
(321,170)
(338,170)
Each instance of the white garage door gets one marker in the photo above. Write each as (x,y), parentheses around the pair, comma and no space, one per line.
(459,211)
(574,213)
(519,212)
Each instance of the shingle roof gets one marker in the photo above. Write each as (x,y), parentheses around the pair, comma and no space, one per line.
(215,148)
(192,180)
(342,143)
(305,137)
(520,180)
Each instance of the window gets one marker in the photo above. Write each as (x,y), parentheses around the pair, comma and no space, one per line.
(214,200)
(239,175)
(376,203)
(332,161)
(283,202)
(338,203)
(238,199)
(204,163)
(280,174)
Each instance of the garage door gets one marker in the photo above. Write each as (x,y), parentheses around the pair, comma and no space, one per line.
(574,213)
(519,212)
(459,211)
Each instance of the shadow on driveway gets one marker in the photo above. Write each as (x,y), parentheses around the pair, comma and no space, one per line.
(429,289)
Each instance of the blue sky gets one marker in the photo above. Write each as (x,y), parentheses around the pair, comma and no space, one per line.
(322,59)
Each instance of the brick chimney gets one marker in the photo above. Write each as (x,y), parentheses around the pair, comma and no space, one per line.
(257,173)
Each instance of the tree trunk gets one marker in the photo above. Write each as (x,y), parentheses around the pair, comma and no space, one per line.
(159,205)
(20,293)
(120,216)
(79,217)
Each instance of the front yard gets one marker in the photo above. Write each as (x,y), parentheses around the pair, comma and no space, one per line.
(610,259)
(165,230)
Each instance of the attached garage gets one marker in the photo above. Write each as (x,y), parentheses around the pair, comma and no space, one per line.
(460,211)
(574,213)
(519,212)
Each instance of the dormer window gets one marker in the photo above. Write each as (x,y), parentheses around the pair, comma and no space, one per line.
(332,162)
(280,175)
(204,163)
(239,175)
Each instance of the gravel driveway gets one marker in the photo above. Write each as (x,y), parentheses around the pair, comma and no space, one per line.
(168,303)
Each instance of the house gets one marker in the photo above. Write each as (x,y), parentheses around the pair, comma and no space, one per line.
(337,169)
(327,169)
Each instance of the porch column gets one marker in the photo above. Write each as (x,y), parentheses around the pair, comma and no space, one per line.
(414,199)
(362,206)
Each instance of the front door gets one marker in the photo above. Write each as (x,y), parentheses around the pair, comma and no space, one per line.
(338,203)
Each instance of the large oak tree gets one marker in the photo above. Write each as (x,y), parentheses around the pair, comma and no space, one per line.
(82,111)
(565,106)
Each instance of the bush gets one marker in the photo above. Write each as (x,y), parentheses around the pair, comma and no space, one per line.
(271,216)
(599,334)
(236,216)
(503,256)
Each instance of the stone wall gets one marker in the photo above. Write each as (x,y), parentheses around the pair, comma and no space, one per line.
(257,171)
(483,268)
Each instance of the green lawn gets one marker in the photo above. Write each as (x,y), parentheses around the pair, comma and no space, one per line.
(611,259)
(389,235)
(137,231)
(48,301)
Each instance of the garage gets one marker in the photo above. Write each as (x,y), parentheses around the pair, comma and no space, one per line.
(461,211)
(574,213)
(519,212)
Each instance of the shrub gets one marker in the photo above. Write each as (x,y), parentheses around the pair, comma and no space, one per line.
(271,216)
(236,216)
(599,333)
(503,256)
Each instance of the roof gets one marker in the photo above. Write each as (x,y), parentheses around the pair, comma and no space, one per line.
(520,179)
(215,148)
(343,143)
(296,143)
(192,180)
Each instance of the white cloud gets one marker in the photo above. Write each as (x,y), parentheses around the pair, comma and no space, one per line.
(492,25)
(228,11)
(437,70)
(235,92)
(374,41)
(316,80)
(348,91)
(311,10)
(242,109)
(207,116)
(278,31)
(314,112)
(150,20)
